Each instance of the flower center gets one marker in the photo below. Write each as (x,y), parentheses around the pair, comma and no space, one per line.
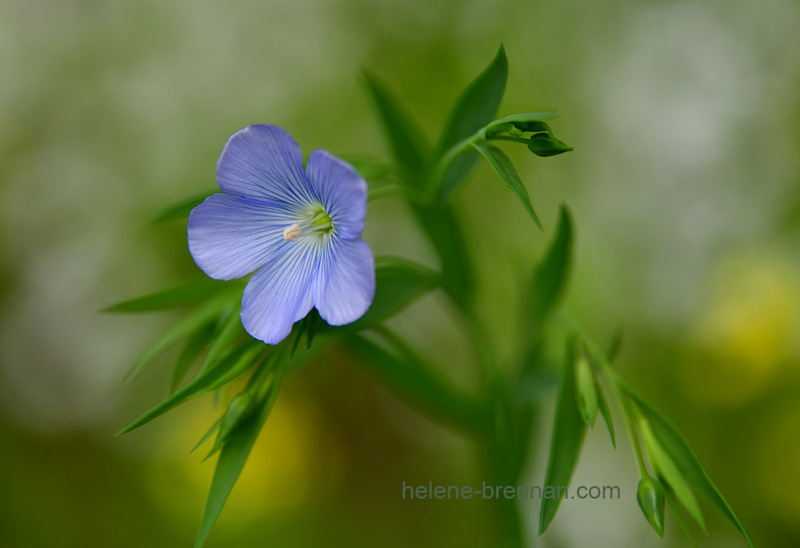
(316,221)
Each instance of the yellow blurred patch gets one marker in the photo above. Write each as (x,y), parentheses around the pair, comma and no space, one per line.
(292,461)
(748,330)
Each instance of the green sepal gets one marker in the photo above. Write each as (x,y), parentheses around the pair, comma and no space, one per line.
(544,145)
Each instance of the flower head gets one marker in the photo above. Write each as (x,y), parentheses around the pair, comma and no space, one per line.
(299,230)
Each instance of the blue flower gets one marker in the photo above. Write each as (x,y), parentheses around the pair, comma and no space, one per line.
(299,230)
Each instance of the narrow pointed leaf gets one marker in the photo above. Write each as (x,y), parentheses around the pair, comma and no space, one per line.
(605,412)
(183,327)
(550,277)
(175,297)
(232,459)
(478,103)
(224,337)
(675,445)
(674,508)
(508,174)
(568,433)
(670,474)
(475,108)
(240,408)
(231,366)
(207,436)
(191,350)
(181,209)
(408,147)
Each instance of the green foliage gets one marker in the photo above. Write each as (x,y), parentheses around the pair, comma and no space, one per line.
(568,432)
(673,445)
(175,297)
(238,441)
(408,146)
(550,278)
(235,362)
(187,325)
(475,108)
(505,169)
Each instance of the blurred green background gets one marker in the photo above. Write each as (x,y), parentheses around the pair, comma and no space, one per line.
(684,186)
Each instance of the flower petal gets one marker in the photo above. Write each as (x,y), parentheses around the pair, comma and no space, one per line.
(263,161)
(279,294)
(342,191)
(231,236)
(345,284)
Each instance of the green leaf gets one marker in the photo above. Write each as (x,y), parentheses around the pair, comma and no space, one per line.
(478,103)
(680,452)
(615,345)
(224,336)
(605,412)
(240,408)
(182,208)
(233,457)
(668,472)
(408,147)
(239,360)
(183,327)
(568,432)
(674,507)
(475,108)
(443,228)
(544,144)
(408,375)
(650,496)
(195,344)
(505,169)
(398,282)
(175,297)
(550,277)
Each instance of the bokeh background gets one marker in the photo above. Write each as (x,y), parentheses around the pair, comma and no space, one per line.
(684,186)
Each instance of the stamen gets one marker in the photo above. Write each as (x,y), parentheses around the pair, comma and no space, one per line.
(292,232)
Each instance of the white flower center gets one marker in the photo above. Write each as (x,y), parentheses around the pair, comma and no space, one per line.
(316,221)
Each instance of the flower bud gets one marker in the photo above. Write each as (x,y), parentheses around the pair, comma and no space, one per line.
(650,496)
